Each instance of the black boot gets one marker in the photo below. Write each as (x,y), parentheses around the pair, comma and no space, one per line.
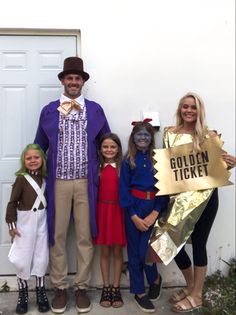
(22,303)
(42,300)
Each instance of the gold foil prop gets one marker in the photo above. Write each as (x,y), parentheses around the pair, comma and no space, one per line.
(170,233)
(194,187)
(67,106)
(179,169)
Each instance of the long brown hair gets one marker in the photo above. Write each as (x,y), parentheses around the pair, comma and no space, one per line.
(132,149)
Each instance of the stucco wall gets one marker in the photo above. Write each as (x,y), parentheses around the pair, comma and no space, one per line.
(144,55)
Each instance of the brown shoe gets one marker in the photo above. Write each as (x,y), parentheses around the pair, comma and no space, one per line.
(59,301)
(83,304)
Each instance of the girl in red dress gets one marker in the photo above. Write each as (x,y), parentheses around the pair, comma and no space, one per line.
(110,219)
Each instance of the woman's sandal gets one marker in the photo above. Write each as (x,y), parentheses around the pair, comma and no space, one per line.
(188,304)
(178,296)
(116,299)
(105,300)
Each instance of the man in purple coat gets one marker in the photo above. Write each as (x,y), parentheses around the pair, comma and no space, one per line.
(69,131)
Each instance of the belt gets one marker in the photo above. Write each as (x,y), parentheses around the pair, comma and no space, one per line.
(146,195)
(113,202)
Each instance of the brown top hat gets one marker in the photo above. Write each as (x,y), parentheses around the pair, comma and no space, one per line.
(73,65)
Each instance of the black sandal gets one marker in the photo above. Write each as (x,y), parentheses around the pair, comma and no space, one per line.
(105,300)
(116,299)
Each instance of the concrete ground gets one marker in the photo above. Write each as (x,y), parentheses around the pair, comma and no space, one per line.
(8,303)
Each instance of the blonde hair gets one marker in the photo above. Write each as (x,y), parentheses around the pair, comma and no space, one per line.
(36,147)
(200,130)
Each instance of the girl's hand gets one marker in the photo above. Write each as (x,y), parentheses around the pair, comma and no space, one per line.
(139,223)
(229,160)
(151,218)
(13,233)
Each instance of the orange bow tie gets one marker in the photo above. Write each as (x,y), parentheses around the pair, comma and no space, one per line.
(67,106)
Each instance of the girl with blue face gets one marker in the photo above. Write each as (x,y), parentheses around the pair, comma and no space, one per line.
(141,206)
(142,139)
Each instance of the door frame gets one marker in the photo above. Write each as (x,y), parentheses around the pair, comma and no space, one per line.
(44,32)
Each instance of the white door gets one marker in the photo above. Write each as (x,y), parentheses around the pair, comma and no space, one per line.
(28,80)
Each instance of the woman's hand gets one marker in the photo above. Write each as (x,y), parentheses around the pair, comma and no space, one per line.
(139,223)
(230,160)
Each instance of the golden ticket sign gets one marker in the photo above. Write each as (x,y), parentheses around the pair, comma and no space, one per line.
(180,170)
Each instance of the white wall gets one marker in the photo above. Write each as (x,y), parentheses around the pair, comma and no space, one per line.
(144,55)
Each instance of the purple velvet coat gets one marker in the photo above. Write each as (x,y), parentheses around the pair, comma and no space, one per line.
(47,138)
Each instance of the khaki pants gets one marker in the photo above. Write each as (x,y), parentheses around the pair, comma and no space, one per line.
(65,192)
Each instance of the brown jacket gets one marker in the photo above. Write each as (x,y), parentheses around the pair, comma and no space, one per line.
(22,197)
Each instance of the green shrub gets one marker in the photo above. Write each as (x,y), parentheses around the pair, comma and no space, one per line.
(219,292)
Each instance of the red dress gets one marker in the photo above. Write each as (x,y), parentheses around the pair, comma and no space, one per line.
(110,216)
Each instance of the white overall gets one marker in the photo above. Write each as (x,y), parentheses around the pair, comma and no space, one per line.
(29,252)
